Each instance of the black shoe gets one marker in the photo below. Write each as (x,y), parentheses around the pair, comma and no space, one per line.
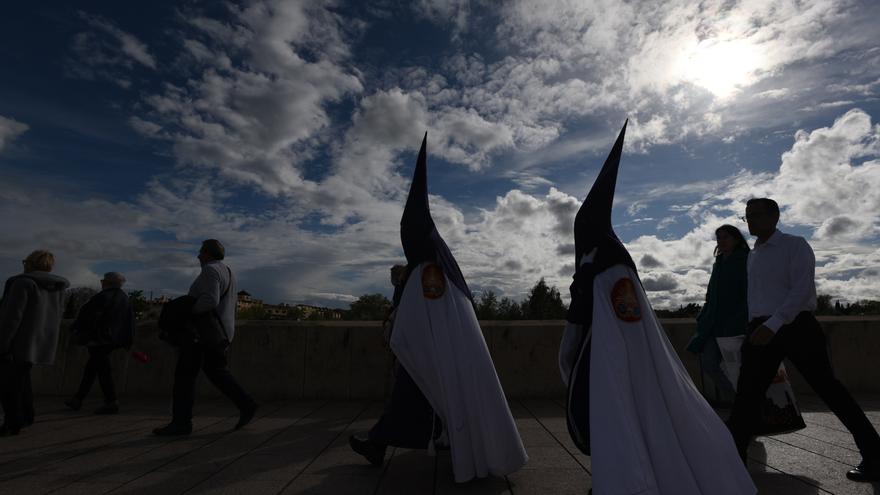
(246,415)
(6,431)
(866,471)
(374,452)
(74,403)
(108,408)
(173,429)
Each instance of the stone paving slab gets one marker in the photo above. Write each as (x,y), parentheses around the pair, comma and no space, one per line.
(301,447)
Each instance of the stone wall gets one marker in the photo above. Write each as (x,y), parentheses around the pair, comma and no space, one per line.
(342,360)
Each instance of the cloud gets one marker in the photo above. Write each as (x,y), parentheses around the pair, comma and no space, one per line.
(106,52)
(648,261)
(128,44)
(256,113)
(10,130)
(664,282)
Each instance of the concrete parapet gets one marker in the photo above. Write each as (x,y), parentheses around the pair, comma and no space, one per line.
(349,359)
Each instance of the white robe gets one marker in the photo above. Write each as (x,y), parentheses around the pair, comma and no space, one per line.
(440,344)
(651,431)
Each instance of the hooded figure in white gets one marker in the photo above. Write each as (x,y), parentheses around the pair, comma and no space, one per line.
(631,404)
(438,340)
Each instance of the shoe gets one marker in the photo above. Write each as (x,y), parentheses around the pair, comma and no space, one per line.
(6,431)
(108,408)
(173,429)
(246,415)
(374,452)
(866,471)
(74,403)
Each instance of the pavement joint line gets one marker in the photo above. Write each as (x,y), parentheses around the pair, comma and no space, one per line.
(776,470)
(808,450)
(759,462)
(162,444)
(65,459)
(385,470)
(436,479)
(291,425)
(509,484)
(168,442)
(521,403)
(330,443)
(826,442)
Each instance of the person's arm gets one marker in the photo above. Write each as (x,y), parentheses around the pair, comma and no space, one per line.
(206,290)
(12,314)
(802,272)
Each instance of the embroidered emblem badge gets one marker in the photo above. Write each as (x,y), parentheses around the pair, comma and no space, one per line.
(433,281)
(625,302)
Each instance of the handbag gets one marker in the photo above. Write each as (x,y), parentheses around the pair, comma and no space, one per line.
(780,413)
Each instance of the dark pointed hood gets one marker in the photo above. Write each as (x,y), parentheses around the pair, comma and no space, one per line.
(593,231)
(418,234)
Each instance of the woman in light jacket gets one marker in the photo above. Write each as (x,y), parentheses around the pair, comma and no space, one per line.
(725,313)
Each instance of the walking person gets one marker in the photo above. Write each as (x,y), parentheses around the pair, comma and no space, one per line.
(782,298)
(30,318)
(213,315)
(105,323)
(725,313)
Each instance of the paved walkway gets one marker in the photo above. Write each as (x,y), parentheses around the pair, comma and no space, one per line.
(301,447)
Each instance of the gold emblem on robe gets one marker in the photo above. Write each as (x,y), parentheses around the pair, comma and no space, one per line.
(625,302)
(433,281)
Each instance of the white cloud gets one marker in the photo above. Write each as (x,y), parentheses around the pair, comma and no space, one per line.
(108,53)
(10,130)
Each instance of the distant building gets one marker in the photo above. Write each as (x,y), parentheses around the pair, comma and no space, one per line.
(246,301)
(319,313)
(277,311)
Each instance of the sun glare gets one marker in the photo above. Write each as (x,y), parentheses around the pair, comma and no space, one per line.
(722,67)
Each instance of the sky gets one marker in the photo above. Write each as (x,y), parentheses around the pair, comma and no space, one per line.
(130,132)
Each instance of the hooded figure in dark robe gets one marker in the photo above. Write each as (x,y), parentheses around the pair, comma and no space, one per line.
(631,405)
(439,345)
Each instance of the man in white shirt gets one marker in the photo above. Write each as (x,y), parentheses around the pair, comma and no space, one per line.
(782,298)
(213,291)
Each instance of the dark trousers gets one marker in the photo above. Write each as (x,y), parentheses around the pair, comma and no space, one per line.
(98,367)
(211,360)
(408,420)
(16,395)
(804,344)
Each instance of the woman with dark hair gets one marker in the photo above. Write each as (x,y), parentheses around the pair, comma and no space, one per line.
(725,313)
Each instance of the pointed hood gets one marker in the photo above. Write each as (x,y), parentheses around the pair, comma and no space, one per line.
(418,234)
(593,232)
(592,225)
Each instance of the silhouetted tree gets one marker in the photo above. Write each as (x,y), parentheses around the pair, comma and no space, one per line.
(508,309)
(823,305)
(543,303)
(138,303)
(369,307)
(487,306)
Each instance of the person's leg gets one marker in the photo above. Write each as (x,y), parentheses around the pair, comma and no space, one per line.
(216,368)
(27,396)
(809,354)
(711,361)
(408,418)
(185,374)
(105,374)
(759,367)
(12,398)
(88,378)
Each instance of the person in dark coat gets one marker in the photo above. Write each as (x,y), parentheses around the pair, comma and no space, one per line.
(30,318)
(105,323)
(726,311)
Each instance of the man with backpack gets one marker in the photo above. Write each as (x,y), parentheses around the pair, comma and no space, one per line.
(211,300)
(105,323)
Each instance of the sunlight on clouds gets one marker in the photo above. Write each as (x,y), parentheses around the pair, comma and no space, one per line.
(722,67)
